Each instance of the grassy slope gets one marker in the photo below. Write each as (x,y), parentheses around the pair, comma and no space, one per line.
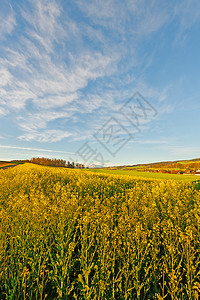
(148,175)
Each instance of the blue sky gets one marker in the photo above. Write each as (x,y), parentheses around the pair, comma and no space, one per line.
(68,67)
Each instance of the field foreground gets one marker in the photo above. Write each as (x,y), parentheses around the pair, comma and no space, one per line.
(72,234)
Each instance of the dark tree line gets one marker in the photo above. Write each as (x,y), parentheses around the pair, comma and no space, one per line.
(56,163)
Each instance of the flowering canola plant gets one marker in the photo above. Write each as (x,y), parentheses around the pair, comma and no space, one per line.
(73,234)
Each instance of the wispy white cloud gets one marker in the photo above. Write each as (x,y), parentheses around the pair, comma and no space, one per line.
(150,16)
(3,111)
(39,120)
(44,25)
(152,142)
(52,64)
(52,135)
(188,12)
(145,17)
(5,77)
(7,21)
(104,13)
(34,149)
(33,73)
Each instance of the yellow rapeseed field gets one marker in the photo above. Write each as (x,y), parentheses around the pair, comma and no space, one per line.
(72,234)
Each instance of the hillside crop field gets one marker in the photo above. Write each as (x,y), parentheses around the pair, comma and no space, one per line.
(73,234)
(5,164)
(171,167)
(149,175)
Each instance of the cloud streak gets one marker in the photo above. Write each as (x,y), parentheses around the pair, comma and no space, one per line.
(7,21)
(33,73)
(34,149)
(58,67)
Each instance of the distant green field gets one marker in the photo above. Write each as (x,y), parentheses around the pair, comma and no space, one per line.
(149,174)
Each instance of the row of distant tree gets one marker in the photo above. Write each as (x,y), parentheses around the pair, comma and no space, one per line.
(56,163)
